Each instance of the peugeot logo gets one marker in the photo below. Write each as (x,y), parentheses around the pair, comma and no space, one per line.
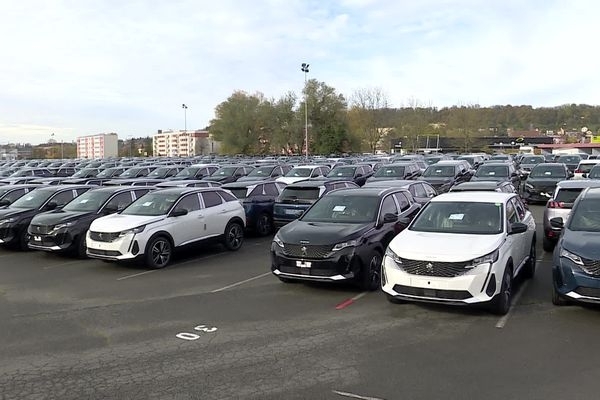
(429,267)
(303,250)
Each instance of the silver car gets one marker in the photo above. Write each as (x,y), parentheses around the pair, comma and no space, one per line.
(560,205)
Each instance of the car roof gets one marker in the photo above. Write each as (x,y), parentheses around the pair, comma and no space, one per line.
(449,162)
(65,187)
(241,184)
(592,161)
(478,185)
(23,185)
(591,193)
(391,183)
(119,188)
(184,190)
(578,183)
(315,183)
(482,197)
(311,166)
(367,192)
(550,164)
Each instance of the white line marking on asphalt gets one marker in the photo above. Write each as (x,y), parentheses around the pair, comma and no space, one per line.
(241,282)
(134,275)
(502,321)
(355,396)
(62,264)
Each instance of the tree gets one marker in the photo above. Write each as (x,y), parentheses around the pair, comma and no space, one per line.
(366,116)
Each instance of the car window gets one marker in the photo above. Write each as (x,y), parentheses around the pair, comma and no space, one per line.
(81,191)
(189,203)
(402,201)
(211,199)
(257,191)
(14,195)
(62,198)
(120,201)
(429,190)
(271,190)
(520,208)
(226,196)
(389,206)
(511,213)
(140,192)
(418,190)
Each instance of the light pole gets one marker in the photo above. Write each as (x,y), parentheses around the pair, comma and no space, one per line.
(304,68)
(184,117)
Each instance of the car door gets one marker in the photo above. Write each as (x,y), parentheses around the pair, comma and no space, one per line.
(184,228)
(526,217)
(516,241)
(408,207)
(388,206)
(215,213)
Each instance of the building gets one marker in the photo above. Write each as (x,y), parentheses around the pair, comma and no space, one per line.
(102,145)
(170,143)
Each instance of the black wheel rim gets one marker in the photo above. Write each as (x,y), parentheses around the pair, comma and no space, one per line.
(507,288)
(374,270)
(263,224)
(161,252)
(235,236)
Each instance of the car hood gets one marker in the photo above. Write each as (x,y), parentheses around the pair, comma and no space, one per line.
(58,217)
(253,178)
(16,212)
(490,178)
(119,223)
(320,233)
(436,180)
(216,178)
(449,247)
(291,179)
(582,243)
(544,181)
(384,178)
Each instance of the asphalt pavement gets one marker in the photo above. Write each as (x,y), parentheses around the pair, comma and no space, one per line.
(218,325)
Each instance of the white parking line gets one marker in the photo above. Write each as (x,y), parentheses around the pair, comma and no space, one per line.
(241,282)
(134,275)
(502,321)
(355,396)
(62,264)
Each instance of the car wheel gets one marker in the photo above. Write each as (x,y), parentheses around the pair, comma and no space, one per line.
(529,268)
(501,302)
(234,236)
(264,225)
(548,245)
(394,300)
(23,240)
(81,246)
(557,299)
(370,276)
(158,252)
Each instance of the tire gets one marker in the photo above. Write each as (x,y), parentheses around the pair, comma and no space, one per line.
(529,267)
(158,252)
(370,274)
(394,300)
(81,249)
(23,240)
(234,236)
(502,301)
(557,299)
(548,245)
(264,225)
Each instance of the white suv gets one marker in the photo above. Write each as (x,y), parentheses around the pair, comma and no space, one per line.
(152,226)
(462,249)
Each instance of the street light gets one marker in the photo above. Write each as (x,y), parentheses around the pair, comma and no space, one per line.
(304,68)
(184,117)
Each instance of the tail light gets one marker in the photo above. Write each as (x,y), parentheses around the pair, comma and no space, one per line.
(555,204)
(579,171)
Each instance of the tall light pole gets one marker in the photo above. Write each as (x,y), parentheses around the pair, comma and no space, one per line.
(304,68)
(184,117)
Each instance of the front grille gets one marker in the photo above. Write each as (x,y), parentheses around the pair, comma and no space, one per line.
(433,293)
(104,236)
(431,268)
(306,251)
(591,267)
(39,229)
(111,253)
(588,291)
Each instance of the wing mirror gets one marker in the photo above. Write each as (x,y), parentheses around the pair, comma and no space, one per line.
(388,218)
(180,212)
(517,227)
(51,206)
(557,222)
(110,209)
(4,202)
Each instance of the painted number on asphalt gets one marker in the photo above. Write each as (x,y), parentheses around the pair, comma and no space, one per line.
(195,336)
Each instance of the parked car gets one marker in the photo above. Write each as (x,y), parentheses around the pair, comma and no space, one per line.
(264,172)
(541,182)
(445,174)
(81,176)
(570,160)
(133,182)
(163,220)
(165,172)
(15,219)
(560,205)
(258,199)
(584,168)
(298,197)
(421,191)
(195,172)
(485,186)
(136,172)
(576,259)
(355,173)
(47,181)
(500,233)
(342,236)
(64,230)
(187,183)
(498,171)
(304,172)
(473,159)
(528,162)
(229,173)
(10,193)
(399,170)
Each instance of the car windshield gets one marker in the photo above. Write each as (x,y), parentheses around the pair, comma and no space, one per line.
(568,159)
(225,171)
(567,195)
(389,172)
(594,173)
(345,209)
(432,160)
(586,216)
(548,171)
(186,172)
(261,171)
(239,192)
(88,201)
(152,204)
(299,172)
(341,172)
(492,171)
(130,173)
(585,168)
(533,160)
(470,160)
(21,173)
(460,217)
(33,199)
(439,170)
(5,189)
(85,173)
(159,172)
(108,173)
(300,193)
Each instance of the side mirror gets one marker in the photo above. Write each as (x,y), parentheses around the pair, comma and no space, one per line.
(359,175)
(517,227)
(4,202)
(571,174)
(110,209)
(404,221)
(179,212)
(557,222)
(388,218)
(51,206)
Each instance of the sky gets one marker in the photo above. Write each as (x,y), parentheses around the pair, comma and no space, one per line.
(81,67)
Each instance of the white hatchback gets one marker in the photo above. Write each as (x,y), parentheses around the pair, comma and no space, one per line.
(462,248)
(160,221)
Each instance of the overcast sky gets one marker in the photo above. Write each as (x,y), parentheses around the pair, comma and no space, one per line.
(82,67)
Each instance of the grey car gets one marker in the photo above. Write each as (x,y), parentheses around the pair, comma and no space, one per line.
(560,205)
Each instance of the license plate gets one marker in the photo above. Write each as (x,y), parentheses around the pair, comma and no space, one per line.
(303,264)
(37,238)
(293,212)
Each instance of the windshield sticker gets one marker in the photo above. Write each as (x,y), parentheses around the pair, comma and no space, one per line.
(339,208)
(438,171)
(29,198)
(83,201)
(147,204)
(456,217)
(492,173)
(340,174)
(548,173)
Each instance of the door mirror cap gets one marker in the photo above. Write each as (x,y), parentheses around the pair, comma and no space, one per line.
(517,227)
(557,222)
(110,209)
(179,212)
(404,221)
(4,202)
(388,218)
(51,206)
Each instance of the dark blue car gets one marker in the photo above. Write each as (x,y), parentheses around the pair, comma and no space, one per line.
(576,261)
(258,199)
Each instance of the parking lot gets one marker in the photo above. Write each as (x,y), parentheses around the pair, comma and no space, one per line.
(218,325)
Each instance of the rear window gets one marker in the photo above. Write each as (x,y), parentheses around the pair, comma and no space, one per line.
(585,168)
(309,193)
(240,193)
(568,159)
(567,195)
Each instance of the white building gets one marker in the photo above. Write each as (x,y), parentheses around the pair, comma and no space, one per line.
(102,145)
(182,143)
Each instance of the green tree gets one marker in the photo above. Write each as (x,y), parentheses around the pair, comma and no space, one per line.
(366,117)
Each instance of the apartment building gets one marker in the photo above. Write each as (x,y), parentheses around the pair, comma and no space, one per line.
(170,143)
(102,145)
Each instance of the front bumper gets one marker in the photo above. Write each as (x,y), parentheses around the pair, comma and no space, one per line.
(9,233)
(572,283)
(127,247)
(59,240)
(537,195)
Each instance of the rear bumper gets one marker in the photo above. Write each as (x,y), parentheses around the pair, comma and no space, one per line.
(572,283)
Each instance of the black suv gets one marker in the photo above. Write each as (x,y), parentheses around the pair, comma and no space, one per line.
(400,170)
(265,172)
(10,193)
(542,180)
(445,174)
(498,171)
(355,173)
(64,230)
(342,236)
(229,173)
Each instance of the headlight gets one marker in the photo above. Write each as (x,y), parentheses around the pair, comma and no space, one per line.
(529,186)
(278,241)
(390,253)
(64,225)
(343,245)
(487,259)
(573,257)
(7,221)
(133,231)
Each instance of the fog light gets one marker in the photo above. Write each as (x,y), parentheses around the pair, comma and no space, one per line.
(491,288)
(136,248)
